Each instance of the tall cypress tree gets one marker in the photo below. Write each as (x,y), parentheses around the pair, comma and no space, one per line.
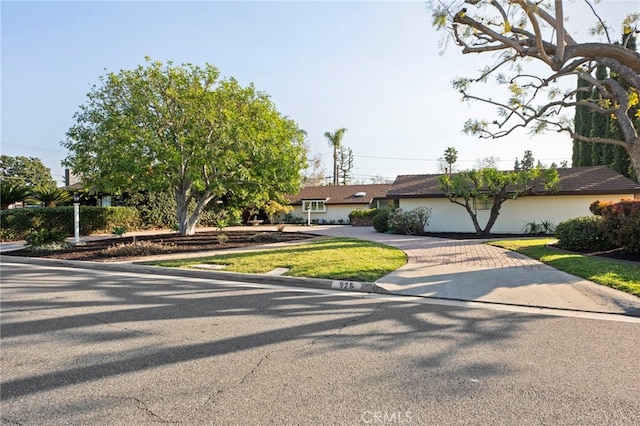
(581,150)
(602,153)
(589,123)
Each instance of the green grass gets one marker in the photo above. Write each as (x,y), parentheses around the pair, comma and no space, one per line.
(618,275)
(334,258)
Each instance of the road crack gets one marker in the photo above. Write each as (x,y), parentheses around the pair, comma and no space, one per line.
(340,329)
(142,406)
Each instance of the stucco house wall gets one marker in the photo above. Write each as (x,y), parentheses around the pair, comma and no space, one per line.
(514,214)
(334,212)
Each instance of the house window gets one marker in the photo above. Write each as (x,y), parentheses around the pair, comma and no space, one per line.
(314,206)
(482,203)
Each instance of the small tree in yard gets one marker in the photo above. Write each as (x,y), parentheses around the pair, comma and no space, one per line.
(11,193)
(183,129)
(495,187)
(273,208)
(52,196)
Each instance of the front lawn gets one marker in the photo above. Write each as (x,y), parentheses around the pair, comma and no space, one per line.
(334,258)
(619,275)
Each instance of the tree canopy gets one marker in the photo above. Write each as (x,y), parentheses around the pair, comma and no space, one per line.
(183,128)
(492,188)
(522,33)
(26,171)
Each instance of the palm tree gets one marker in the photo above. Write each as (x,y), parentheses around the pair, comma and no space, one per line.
(51,196)
(335,140)
(450,156)
(11,193)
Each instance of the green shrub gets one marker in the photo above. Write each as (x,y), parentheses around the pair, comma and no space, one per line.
(411,222)
(289,218)
(582,233)
(119,230)
(363,214)
(621,224)
(46,239)
(222,238)
(381,220)
(544,227)
(214,216)
(156,209)
(137,248)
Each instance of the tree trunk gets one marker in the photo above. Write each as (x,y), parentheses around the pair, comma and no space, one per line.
(474,217)
(182,202)
(195,216)
(335,165)
(634,156)
(495,212)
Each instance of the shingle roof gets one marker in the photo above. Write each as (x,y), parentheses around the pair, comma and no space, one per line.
(594,180)
(345,194)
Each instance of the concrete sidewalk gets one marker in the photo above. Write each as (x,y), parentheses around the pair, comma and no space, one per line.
(469,270)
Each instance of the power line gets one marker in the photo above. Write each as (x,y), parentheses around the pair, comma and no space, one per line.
(33,147)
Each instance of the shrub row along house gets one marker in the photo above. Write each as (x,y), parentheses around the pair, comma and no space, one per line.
(577,189)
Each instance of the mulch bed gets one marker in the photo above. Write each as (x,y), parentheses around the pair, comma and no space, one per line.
(616,254)
(201,241)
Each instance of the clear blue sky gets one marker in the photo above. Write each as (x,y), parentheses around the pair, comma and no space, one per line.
(372,67)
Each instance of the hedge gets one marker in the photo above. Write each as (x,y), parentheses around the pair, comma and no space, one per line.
(363,213)
(15,224)
(583,234)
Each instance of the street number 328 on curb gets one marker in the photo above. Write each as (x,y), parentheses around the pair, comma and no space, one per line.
(346,285)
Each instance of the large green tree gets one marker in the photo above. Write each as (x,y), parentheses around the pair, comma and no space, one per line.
(26,171)
(493,188)
(523,35)
(184,129)
(335,140)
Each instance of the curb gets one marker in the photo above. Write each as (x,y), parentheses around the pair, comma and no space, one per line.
(352,286)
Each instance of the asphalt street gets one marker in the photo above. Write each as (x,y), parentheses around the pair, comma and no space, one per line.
(82,346)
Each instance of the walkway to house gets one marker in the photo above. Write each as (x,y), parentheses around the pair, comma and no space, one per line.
(472,271)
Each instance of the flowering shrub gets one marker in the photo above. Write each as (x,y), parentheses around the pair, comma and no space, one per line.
(597,206)
(621,224)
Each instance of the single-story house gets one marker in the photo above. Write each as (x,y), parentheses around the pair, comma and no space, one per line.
(578,188)
(332,204)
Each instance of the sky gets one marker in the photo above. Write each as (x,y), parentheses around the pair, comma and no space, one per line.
(373,67)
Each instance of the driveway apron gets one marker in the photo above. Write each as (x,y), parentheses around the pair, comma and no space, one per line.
(470,270)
